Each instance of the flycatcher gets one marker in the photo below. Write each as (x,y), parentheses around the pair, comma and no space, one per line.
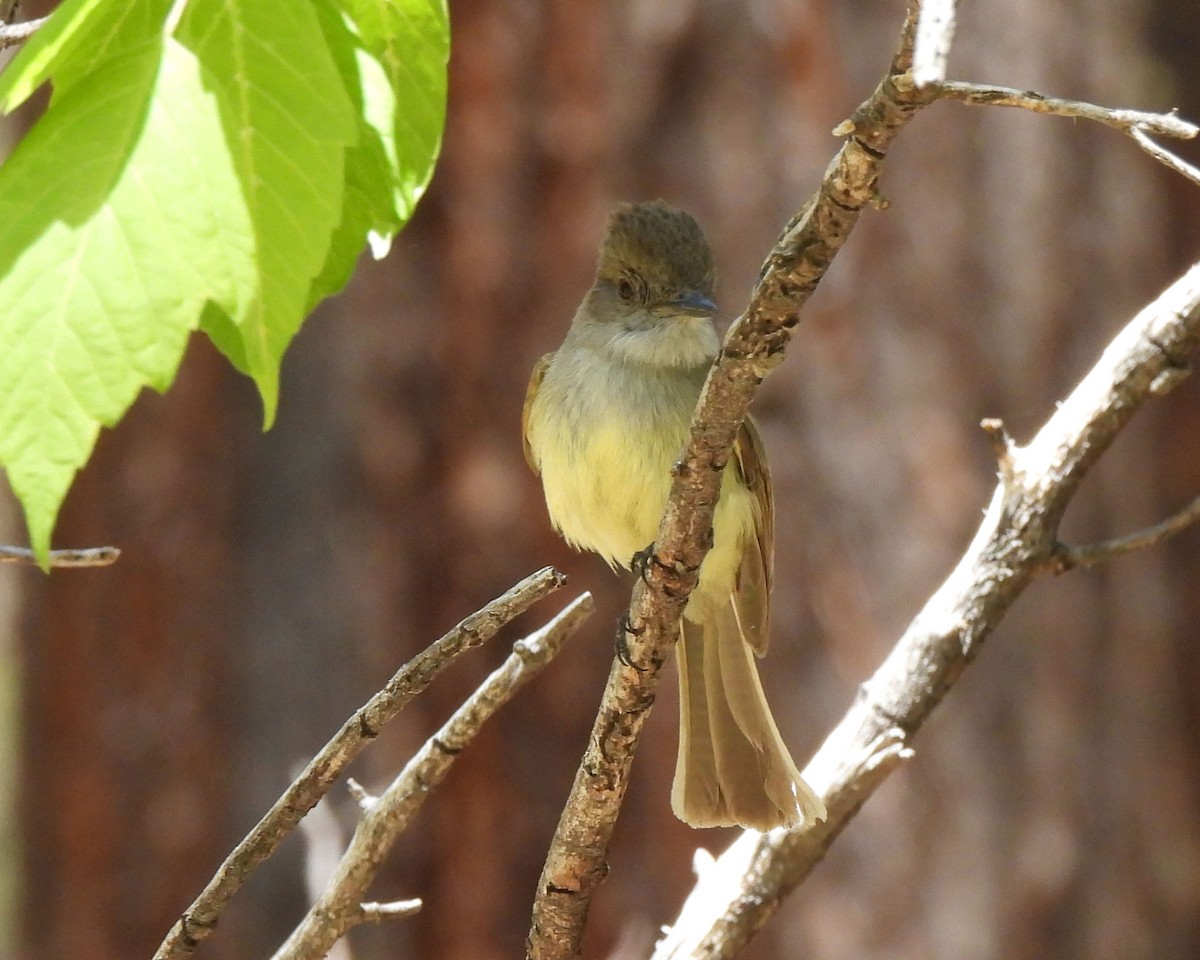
(605,417)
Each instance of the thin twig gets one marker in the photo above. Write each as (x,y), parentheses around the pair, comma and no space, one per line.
(83,557)
(393,909)
(934,37)
(1163,124)
(1135,124)
(1016,540)
(1165,156)
(362,797)
(576,862)
(320,774)
(340,907)
(12,34)
(1068,558)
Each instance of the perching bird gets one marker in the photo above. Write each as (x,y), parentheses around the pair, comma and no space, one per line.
(605,417)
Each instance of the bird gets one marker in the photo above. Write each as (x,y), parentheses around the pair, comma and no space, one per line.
(605,417)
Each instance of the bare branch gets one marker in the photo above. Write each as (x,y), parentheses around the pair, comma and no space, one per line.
(1068,558)
(12,34)
(83,557)
(1165,156)
(341,906)
(1134,123)
(1015,541)
(931,49)
(324,769)
(575,865)
(378,912)
(1002,444)
(1163,124)
(362,797)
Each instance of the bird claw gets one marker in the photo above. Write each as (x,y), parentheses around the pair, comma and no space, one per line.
(625,627)
(640,562)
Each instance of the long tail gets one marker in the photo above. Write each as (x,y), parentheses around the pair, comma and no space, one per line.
(733,767)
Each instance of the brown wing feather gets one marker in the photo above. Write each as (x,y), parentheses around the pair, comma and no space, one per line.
(535,381)
(757,570)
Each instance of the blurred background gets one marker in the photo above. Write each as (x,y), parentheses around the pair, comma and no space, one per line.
(270,583)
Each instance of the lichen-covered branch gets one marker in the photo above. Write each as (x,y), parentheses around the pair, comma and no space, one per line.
(198,920)
(1016,540)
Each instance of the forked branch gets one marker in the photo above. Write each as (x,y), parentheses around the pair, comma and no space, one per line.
(341,906)
(1068,558)
(324,769)
(1016,540)
(575,865)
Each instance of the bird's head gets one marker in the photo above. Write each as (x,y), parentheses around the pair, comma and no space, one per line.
(652,298)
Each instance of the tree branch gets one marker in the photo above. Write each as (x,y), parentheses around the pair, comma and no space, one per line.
(1165,156)
(341,906)
(12,34)
(1067,558)
(575,865)
(1163,124)
(200,918)
(934,37)
(1015,541)
(82,557)
(378,912)
(1133,123)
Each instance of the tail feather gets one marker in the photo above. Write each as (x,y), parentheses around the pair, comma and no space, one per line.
(733,767)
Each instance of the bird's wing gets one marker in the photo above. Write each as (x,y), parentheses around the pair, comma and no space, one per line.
(757,569)
(535,381)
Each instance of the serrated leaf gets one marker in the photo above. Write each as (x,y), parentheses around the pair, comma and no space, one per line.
(288,122)
(405,96)
(112,209)
(79,37)
(396,75)
(222,171)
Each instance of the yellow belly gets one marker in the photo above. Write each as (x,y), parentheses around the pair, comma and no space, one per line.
(606,492)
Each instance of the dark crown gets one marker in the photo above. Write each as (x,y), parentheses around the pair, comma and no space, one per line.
(660,243)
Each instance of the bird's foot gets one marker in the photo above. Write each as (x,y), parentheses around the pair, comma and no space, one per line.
(640,562)
(626,628)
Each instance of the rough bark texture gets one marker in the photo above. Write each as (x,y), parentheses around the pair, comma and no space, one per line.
(270,583)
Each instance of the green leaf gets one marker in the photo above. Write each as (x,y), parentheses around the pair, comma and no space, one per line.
(219,164)
(80,37)
(404,49)
(113,201)
(395,70)
(288,122)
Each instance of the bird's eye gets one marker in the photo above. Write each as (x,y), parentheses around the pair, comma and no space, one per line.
(625,289)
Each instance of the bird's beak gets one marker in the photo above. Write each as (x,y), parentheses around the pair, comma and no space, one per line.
(693,304)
